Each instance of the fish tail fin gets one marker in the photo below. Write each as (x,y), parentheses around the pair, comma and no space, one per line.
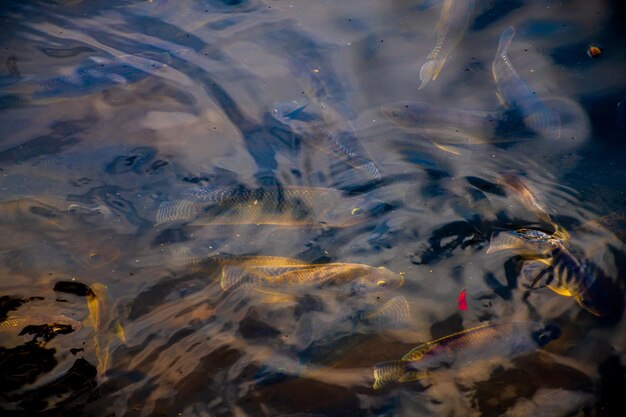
(428,72)
(234,277)
(393,314)
(171,211)
(370,169)
(505,41)
(305,333)
(386,372)
(547,123)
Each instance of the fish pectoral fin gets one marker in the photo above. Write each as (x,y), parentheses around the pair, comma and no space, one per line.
(413,376)
(275,297)
(502,101)
(445,148)
(119,332)
(417,352)
(429,71)
(560,290)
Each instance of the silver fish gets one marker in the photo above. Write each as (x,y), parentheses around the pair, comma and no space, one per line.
(515,93)
(453,21)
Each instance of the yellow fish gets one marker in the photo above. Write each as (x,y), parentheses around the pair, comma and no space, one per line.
(105,323)
(283,274)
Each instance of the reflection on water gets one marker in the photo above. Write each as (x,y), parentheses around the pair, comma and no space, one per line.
(258,208)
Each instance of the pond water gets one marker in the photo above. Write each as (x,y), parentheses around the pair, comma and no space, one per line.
(260,207)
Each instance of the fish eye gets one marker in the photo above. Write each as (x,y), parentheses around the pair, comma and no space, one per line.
(356,211)
(381,283)
(543,336)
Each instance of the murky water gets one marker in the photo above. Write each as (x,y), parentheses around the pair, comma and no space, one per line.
(230,208)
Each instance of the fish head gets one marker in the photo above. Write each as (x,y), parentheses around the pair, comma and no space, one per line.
(545,335)
(376,280)
(524,242)
(399,113)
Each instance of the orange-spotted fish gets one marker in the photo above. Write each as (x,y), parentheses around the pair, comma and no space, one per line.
(14,330)
(470,347)
(286,275)
(516,94)
(453,21)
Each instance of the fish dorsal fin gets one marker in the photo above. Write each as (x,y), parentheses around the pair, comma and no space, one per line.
(234,276)
(394,313)
(418,352)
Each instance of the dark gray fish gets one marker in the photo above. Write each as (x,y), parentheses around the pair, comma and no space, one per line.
(516,94)
(343,145)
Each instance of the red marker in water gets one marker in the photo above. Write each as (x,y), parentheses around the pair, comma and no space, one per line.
(462,300)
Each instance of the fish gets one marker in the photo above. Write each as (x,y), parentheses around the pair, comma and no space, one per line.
(97,73)
(466,348)
(343,145)
(394,314)
(32,213)
(14,330)
(104,321)
(530,199)
(566,275)
(524,242)
(283,274)
(451,126)
(516,94)
(289,206)
(453,22)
